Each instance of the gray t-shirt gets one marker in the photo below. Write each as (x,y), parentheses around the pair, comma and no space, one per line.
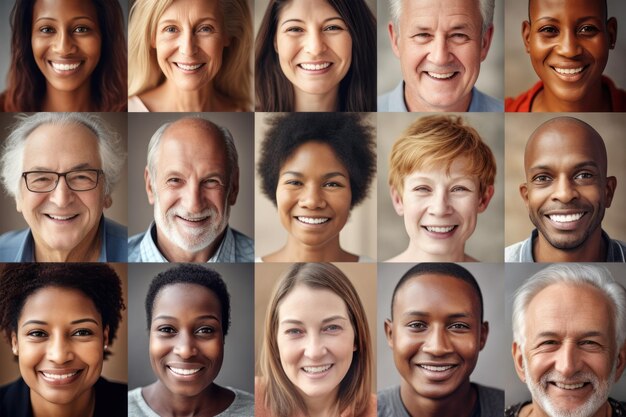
(490,401)
(242,406)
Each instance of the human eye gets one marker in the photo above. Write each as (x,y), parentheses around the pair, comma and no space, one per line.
(417,326)
(295,183)
(422,37)
(205,330)
(422,189)
(82,332)
(333,328)
(166,330)
(333,28)
(459,188)
(174,181)
(333,184)
(211,183)
(293,332)
(46,29)
(81,29)
(584,176)
(36,334)
(459,326)
(459,37)
(206,29)
(170,29)
(294,29)
(588,30)
(548,30)
(541,179)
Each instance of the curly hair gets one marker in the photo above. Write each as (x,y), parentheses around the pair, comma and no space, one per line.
(348,134)
(26,86)
(191,274)
(99,282)
(357,90)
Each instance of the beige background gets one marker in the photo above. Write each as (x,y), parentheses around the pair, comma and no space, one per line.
(520,75)
(358,236)
(518,128)
(141,127)
(491,79)
(12,220)
(487,241)
(362,276)
(115,367)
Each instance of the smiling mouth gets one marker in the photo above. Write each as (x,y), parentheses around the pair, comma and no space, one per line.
(434,368)
(184,372)
(568,386)
(186,67)
(441,75)
(59,377)
(439,229)
(313,220)
(316,369)
(193,219)
(315,67)
(565,218)
(568,71)
(61,218)
(65,67)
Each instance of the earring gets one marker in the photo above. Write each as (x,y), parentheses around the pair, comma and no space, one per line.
(106,347)
(15,351)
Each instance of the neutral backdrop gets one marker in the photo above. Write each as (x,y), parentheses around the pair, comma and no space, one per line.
(115,367)
(518,128)
(487,241)
(495,355)
(141,127)
(516,391)
(238,366)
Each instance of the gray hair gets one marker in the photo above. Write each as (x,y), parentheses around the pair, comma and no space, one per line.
(225,135)
(572,274)
(486,11)
(111,152)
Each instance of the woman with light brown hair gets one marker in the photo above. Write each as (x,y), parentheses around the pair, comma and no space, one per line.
(316,354)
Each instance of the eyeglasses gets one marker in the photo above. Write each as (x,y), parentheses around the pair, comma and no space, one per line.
(76,180)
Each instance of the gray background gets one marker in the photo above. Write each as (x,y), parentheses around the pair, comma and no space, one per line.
(491,78)
(238,366)
(494,357)
(12,220)
(487,241)
(520,75)
(516,390)
(141,127)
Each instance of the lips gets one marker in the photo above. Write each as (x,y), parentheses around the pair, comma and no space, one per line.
(188,67)
(65,66)
(316,369)
(313,220)
(316,66)
(193,219)
(565,218)
(441,75)
(439,229)
(58,376)
(568,71)
(571,386)
(60,217)
(183,371)
(437,368)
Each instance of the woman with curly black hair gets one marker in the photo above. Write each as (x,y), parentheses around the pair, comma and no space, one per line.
(61,320)
(315,167)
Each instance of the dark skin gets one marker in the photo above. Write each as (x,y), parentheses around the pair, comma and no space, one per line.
(566,194)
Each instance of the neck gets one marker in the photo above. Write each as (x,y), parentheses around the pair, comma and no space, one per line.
(414,104)
(295,250)
(420,406)
(598,99)
(86,251)
(416,253)
(322,407)
(66,101)
(166,403)
(83,406)
(594,249)
(203,99)
(533,410)
(327,102)
(174,253)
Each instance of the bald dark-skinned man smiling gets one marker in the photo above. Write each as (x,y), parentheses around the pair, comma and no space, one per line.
(566,192)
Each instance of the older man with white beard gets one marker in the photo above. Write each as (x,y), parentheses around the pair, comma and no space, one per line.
(569,332)
(192,179)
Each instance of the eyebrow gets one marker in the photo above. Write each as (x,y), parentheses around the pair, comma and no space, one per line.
(203,317)
(326,320)
(171,21)
(54,19)
(591,333)
(580,19)
(75,167)
(416,313)
(79,321)
(302,21)
(325,176)
(585,164)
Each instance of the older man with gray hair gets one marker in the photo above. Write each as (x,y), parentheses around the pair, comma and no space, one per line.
(440,44)
(192,179)
(569,332)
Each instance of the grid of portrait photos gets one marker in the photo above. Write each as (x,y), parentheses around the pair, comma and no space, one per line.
(303,208)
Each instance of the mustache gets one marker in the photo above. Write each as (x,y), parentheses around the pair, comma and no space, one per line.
(578,378)
(558,207)
(176,211)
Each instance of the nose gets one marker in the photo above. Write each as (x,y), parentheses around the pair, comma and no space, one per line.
(439,204)
(315,347)
(59,350)
(569,45)
(439,53)
(193,198)
(185,346)
(63,43)
(61,196)
(567,360)
(312,198)
(187,43)
(437,342)
(315,44)
(565,191)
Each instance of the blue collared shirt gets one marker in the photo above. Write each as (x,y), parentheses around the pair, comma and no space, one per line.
(393,101)
(19,245)
(235,247)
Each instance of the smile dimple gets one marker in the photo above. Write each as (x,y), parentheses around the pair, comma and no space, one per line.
(315,67)
(434,368)
(316,369)
(565,218)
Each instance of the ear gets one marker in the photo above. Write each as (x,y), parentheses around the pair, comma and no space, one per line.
(484,332)
(526,35)
(621,362)
(485,199)
(389,332)
(107,201)
(486,43)
(393,37)
(611,184)
(149,190)
(18,204)
(396,200)
(14,346)
(518,361)
(523,191)
(234,188)
(611,28)
(105,335)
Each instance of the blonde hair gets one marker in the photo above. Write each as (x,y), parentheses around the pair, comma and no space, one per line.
(281,396)
(233,78)
(434,141)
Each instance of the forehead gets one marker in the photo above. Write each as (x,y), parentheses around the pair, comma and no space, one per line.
(192,9)
(458,167)
(304,302)
(430,12)
(300,9)
(313,153)
(174,299)
(560,9)
(64,9)
(187,141)
(436,294)
(57,303)
(52,144)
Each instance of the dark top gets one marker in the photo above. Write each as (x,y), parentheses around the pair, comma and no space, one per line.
(618,407)
(110,399)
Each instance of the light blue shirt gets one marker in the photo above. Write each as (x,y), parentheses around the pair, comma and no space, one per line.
(393,101)
(19,245)
(235,247)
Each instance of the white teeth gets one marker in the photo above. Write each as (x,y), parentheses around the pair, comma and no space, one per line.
(61,217)
(59,376)
(316,369)
(313,220)
(65,67)
(188,67)
(568,71)
(441,76)
(315,67)
(565,218)
(569,386)
(199,219)
(436,229)
(437,368)
(179,371)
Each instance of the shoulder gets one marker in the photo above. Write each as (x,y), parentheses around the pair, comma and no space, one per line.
(393,101)
(244,246)
(513,252)
(522,102)
(136,105)
(389,403)
(491,401)
(11,243)
(134,245)
(243,405)
(370,411)
(111,399)
(15,399)
(618,96)
(513,410)
(260,386)
(116,241)
(482,102)
(619,407)
(365,259)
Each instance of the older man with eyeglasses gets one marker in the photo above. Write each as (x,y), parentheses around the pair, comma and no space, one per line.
(61,169)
